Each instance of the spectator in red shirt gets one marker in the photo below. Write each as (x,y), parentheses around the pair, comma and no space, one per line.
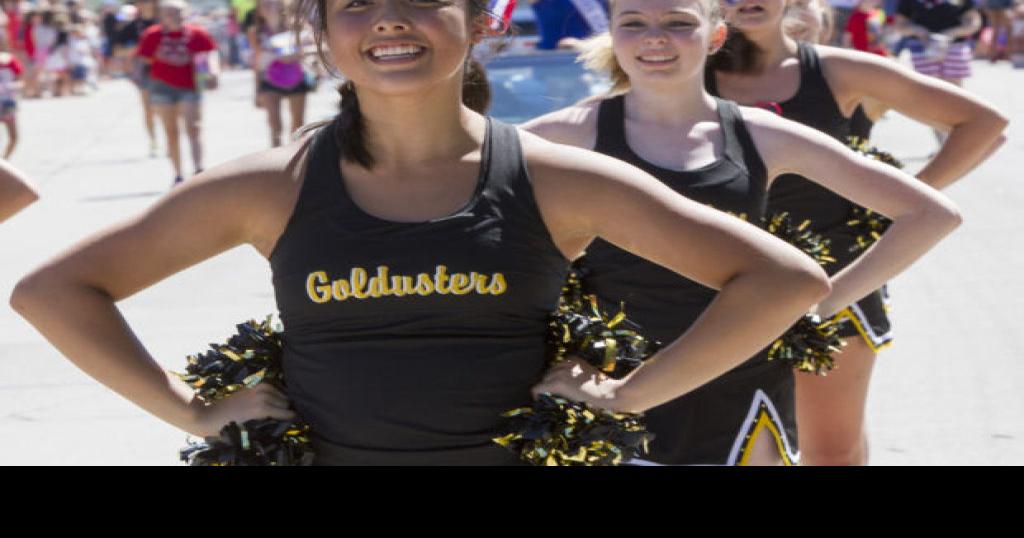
(864,28)
(175,52)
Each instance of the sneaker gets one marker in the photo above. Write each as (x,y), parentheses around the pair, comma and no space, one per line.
(177,180)
(152,149)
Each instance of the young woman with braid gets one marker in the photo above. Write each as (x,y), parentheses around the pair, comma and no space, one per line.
(417,249)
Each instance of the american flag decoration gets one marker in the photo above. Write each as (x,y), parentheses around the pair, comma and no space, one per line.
(502,8)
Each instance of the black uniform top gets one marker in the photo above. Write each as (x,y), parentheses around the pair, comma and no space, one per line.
(663,302)
(815,106)
(412,338)
(860,124)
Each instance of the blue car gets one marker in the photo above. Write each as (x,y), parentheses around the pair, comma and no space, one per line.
(527,83)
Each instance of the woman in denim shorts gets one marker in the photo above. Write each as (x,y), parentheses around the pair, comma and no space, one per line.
(171,48)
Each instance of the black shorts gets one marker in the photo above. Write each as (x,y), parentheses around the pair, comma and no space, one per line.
(302,87)
(718,423)
(869,319)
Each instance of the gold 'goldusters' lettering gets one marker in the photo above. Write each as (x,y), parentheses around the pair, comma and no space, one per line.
(360,285)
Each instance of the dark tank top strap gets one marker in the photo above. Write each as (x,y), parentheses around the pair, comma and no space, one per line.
(320,189)
(611,121)
(739,145)
(509,187)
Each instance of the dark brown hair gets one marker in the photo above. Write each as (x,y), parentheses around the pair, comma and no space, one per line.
(738,55)
(349,125)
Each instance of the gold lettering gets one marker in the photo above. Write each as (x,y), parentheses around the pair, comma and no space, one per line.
(481,283)
(441,280)
(382,281)
(396,286)
(498,284)
(461,285)
(409,284)
(424,285)
(317,287)
(341,289)
(358,281)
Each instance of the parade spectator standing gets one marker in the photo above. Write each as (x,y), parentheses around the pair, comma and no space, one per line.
(279,67)
(1017,40)
(999,14)
(110,26)
(134,22)
(172,48)
(939,30)
(864,28)
(10,70)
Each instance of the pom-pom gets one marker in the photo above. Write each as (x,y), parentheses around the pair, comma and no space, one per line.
(259,442)
(613,345)
(809,344)
(800,236)
(863,147)
(555,431)
(250,357)
(867,226)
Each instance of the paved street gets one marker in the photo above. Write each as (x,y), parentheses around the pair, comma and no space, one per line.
(951,391)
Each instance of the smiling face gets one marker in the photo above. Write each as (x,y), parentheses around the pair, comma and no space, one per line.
(663,40)
(400,46)
(754,14)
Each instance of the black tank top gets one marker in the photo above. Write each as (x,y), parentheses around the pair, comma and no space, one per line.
(860,124)
(404,342)
(663,302)
(815,106)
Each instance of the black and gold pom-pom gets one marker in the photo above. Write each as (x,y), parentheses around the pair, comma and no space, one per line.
(865,225)
(614,345)
(555,431)
(863,147)
(259,442)
(800,236)
(250,357)
(809,344)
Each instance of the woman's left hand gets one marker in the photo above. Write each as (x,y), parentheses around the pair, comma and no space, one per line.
(576,380)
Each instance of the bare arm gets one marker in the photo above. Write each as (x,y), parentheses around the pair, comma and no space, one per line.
(970,23)
(71,299)
(765,284)
(15,192)
(975,127)
(921,215)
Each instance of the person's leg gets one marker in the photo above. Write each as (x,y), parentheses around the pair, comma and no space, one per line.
(830,410)
(168,114)
(11,121)
(148,116)
(191,113)
(272,103)
(297,108)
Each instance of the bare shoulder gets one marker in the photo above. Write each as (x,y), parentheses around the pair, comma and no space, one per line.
(855,67)
(575,125)
(569,165)
(260,190)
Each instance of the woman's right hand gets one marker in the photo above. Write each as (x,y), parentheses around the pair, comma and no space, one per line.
(260,401)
